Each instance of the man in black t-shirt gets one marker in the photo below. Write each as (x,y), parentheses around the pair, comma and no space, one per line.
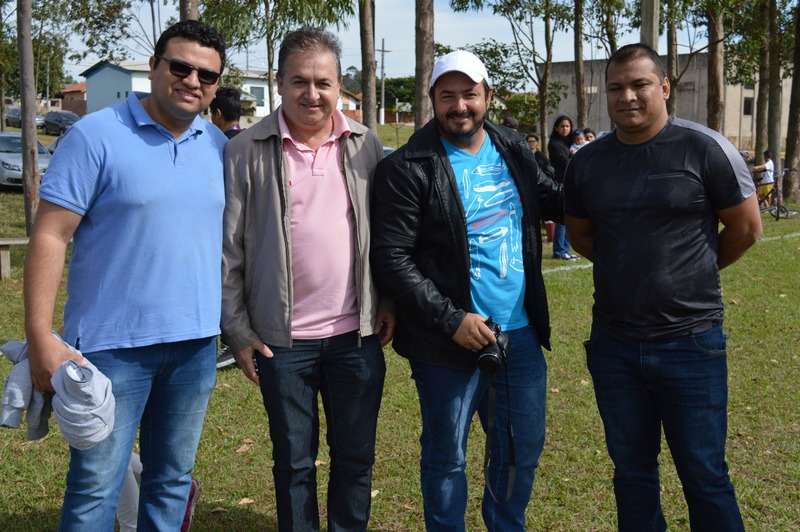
(644,204)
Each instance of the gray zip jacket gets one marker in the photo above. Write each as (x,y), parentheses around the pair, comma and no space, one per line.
(256,259)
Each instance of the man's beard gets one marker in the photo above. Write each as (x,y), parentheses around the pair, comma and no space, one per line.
(460,136)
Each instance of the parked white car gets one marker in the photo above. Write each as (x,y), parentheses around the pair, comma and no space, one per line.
(11,159)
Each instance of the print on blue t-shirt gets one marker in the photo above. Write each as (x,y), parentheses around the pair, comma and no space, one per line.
(494,217)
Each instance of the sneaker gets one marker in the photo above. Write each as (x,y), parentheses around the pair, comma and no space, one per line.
(194,494)
(224,357)
(568,256)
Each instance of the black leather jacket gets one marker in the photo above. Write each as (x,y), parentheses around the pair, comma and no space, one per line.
(419,249)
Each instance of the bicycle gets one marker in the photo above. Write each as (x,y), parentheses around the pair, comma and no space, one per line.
(771,201)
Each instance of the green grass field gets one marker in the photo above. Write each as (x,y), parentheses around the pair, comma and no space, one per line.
(573,490)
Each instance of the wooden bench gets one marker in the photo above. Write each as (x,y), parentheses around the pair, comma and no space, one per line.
(5,254)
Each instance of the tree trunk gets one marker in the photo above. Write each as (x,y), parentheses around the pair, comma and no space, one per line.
(366,20)
(716,61)
(270,73)
(775,91)
(580,90)
(30,162)
(423,35)
(790,184)
(544,79)
(763,86)
(188,10)
(672,57)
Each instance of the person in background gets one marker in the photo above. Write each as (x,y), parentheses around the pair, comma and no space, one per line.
(558,150)
(578,141)
(511,123)
(589,134)
(226,111)
(138,189)
(541,159)
(452,257)
(657,350)
(300,311)
(767,180)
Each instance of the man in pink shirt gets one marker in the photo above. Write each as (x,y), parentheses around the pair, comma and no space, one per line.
(300,310)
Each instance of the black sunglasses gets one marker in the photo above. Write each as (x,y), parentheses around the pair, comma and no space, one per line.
(184,70)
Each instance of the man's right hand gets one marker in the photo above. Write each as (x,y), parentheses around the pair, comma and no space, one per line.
(246,359)
(473,333)
(45,357)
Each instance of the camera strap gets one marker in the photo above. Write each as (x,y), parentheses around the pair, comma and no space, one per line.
(491,423)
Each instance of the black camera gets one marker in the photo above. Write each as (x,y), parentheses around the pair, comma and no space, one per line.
(492,357)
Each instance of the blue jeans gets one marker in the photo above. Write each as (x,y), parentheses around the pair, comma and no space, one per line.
(560,242)
(163,391)
(349,377)
(448,401)
(680,384)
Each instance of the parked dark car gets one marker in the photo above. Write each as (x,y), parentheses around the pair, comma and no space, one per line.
(14,118)
(56,122)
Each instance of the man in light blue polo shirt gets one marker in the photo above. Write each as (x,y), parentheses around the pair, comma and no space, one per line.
(138,186)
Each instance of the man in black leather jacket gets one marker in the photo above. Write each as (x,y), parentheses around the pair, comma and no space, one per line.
(456,239)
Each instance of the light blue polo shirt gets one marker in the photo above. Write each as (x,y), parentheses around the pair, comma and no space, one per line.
(146,258)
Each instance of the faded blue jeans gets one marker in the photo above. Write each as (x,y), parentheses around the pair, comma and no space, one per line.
(560,242)
(448,400)
(348,373)
(164,389)
(680,384)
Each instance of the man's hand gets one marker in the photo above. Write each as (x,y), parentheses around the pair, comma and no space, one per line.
(45,357)
(246,359)
(473,333)
(384,326)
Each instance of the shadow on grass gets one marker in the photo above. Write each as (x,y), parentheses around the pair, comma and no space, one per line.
(34,521)
(207,517)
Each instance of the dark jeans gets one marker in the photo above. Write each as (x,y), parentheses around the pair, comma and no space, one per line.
(350,380)
(448,400)
(680,384)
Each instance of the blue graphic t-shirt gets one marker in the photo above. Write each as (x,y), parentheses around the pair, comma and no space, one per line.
(494,218)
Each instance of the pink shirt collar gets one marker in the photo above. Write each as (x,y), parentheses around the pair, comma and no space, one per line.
(340,126)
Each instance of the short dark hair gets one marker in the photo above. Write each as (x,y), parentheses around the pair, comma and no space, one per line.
(229,101)
(309,40)
(629,52)
(192,30)
(530,136)
(767,154)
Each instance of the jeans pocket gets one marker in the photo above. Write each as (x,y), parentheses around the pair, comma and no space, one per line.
(711,342)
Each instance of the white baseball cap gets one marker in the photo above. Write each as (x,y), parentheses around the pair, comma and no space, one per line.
(460,61)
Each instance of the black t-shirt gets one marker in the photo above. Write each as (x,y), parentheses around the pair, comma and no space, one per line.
(656,232)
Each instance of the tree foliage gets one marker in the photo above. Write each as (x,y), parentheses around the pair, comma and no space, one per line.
(247,22)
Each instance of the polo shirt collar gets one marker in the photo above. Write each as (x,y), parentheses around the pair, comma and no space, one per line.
(142,118)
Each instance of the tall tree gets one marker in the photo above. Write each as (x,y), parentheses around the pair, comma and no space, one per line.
(716,61)
(245,22)
(790,184)
(423,37)
(580,91)
(762,98)
(524,16)
(30,162)
(775,90)
(366,22)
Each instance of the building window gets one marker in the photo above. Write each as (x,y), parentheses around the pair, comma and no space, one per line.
(118,95)
(258,92)
(748,107)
